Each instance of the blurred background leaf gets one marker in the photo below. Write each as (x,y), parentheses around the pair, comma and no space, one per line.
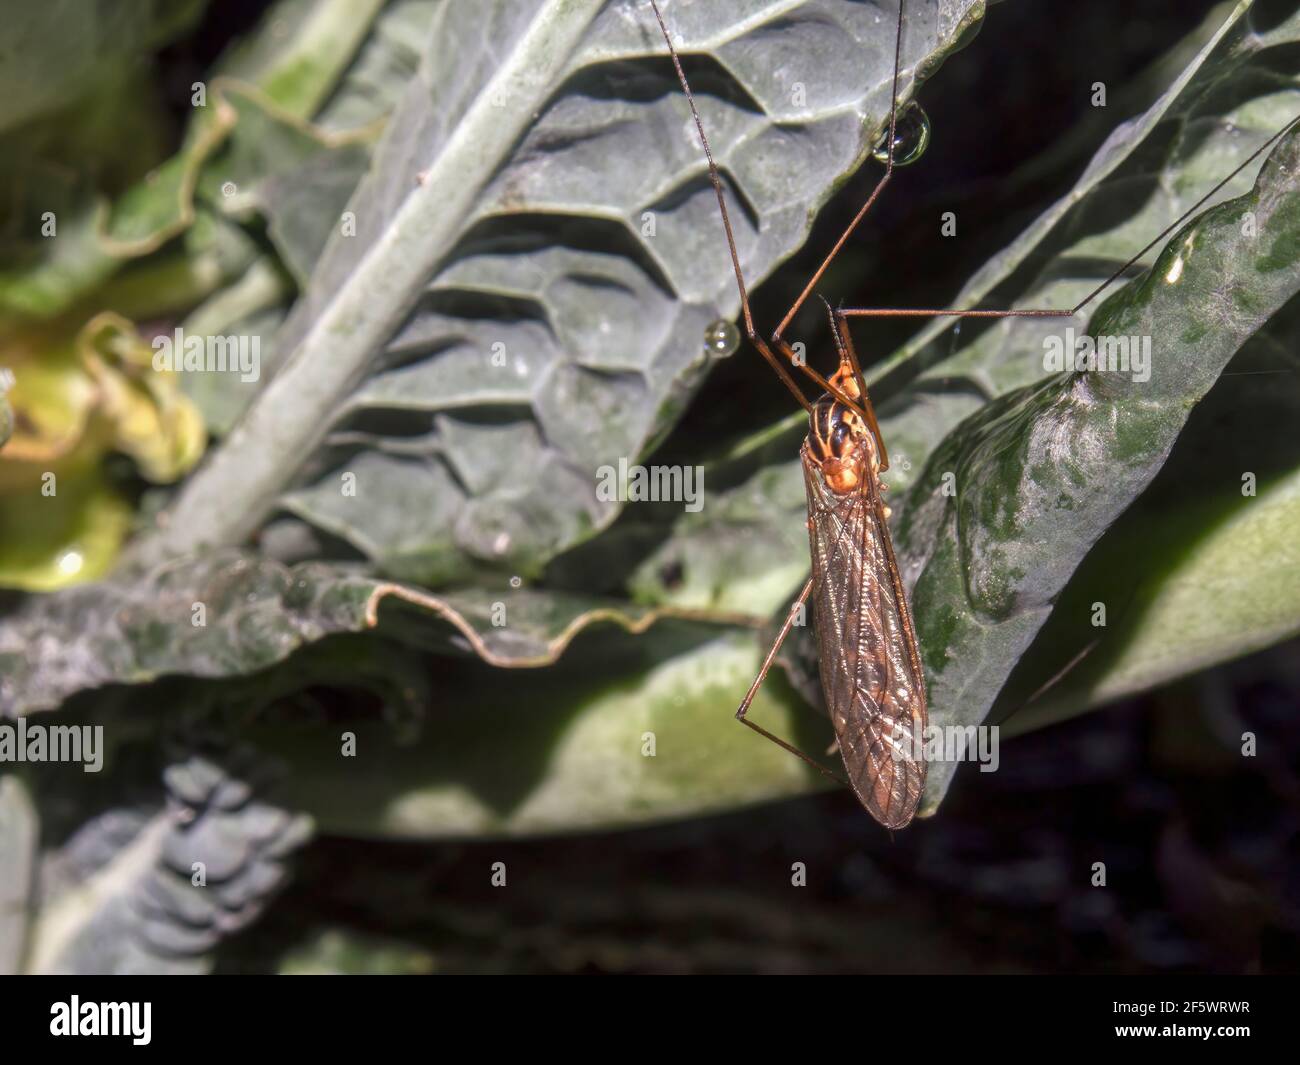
(154,884)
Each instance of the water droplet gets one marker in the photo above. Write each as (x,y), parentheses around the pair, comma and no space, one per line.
(1175,271)
(721,339)
(70,563)
(515,582)
(911,136)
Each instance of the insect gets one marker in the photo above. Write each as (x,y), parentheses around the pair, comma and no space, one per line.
(869,658)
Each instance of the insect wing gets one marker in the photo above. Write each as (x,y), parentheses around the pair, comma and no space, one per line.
(870,669)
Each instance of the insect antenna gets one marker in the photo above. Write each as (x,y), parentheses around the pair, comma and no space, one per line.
(951,312)
(1186,214)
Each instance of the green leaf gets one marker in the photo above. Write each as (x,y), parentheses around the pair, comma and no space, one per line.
(1151,170)
(304,49)
(1203,568)
(1042,472)
(1211,607)
(503,324)
(253,121)
(231,615)
(637,733)
(154,884)
(564,746)
(746,551)
(578,757)
(82,43)
(335,57)
(301,194)
(1224,106)
(55,174)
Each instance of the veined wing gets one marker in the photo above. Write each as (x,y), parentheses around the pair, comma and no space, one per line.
(870,667)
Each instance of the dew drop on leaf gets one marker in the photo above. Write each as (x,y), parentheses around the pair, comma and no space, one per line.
(70,563)
(721,338)
(911,136)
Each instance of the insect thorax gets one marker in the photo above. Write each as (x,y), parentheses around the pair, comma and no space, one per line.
(841,445)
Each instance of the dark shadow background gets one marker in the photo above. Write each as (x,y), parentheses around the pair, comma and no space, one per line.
(1201,846)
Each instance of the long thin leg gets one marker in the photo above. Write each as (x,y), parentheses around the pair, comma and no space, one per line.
(1186,215)
(844,343)
(880,185)
(762,675)
(823,383)
(716,179)
(844,340)
(948,312)
(853,225)
(917,312)
(839,328)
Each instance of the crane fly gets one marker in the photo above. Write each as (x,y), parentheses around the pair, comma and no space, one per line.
(869,659)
